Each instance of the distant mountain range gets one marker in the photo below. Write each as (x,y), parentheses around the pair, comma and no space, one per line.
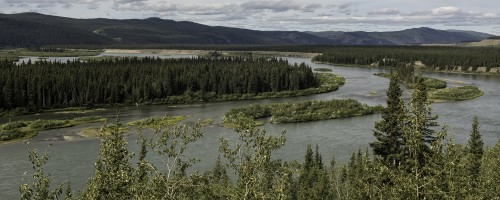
(34,29)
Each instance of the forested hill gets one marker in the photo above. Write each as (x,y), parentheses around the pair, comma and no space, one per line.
(33,29)
(410,36)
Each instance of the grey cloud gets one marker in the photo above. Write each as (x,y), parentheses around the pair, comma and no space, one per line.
(230,18)
(231,11)
(23,5)
(67,5)
(93,6)
(279,6)
(276,6)
(128,1)
(446,16)
(311,7)
(446,11)
(207,9)
(385,11)
(37,5)
(345,8)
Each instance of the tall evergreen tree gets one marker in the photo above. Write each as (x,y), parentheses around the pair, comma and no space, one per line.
(474,152)
(313,182)
(389,130)
(422,107)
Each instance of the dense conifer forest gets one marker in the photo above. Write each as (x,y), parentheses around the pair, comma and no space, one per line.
(46,85)
(444,58)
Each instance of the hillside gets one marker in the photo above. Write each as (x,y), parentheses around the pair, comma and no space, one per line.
(490,42)
(410,36)
(33,29)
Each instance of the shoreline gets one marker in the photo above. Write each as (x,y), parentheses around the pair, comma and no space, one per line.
(422,69)
(203,52)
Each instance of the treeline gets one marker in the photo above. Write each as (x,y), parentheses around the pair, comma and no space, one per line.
(222,47)
(45,85)
(47,49)
(410,161)
(444,58)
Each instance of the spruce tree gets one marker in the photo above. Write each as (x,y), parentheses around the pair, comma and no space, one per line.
(474,152)
(313,181)
(422,106)
(417,133)
(389,130)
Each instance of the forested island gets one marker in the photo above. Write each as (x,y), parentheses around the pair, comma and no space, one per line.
(437,88)
(292,112)
(33,87)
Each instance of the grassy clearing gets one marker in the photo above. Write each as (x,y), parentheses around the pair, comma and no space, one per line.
(16,53)
(303,111)
(157,121)
(322,69)
(233,125)
(207,121)
(150,122)
(21,130)
(432,83)
(455,94)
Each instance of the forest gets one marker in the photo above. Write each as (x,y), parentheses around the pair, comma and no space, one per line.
(443,58)
(47,85)
(411,160)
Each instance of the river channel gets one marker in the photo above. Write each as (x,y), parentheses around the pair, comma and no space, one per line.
(73,160)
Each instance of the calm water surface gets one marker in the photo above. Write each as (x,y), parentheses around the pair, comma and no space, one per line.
(73,160)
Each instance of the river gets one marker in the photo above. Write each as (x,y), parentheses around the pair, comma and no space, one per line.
(73,160)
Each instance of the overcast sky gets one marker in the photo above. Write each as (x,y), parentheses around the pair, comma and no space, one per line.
(300,15)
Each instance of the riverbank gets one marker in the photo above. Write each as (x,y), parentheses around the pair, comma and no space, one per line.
(167,52)
(23,130)
(496,70)
(150,122)
(16,53)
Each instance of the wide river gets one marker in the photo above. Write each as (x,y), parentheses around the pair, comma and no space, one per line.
(73,160)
